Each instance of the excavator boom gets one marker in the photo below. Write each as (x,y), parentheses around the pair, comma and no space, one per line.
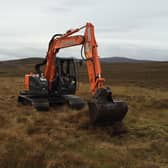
(91,54)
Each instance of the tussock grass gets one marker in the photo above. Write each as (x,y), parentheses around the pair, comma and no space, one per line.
(64,138)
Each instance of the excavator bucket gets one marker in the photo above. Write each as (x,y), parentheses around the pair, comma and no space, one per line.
(104,110)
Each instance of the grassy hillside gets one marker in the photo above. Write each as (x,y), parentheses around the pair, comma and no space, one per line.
(64,138)
(147,74)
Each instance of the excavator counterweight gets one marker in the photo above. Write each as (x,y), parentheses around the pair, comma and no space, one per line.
(58,83)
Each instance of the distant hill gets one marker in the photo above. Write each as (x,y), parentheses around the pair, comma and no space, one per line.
(122,59)
(18,67)
(21,62)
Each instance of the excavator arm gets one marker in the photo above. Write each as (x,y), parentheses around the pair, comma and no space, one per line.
(90,49)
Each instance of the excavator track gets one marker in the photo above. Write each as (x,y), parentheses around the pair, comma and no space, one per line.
(74,102)
(40,104)
(44,103)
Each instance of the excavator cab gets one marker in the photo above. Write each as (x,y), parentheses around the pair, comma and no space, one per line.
(65,81)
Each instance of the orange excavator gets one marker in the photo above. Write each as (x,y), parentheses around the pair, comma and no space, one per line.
(58,83)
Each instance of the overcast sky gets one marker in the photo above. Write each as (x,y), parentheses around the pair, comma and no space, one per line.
(130,28)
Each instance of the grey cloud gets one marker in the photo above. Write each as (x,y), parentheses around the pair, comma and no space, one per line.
(123,28)
(56,10)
